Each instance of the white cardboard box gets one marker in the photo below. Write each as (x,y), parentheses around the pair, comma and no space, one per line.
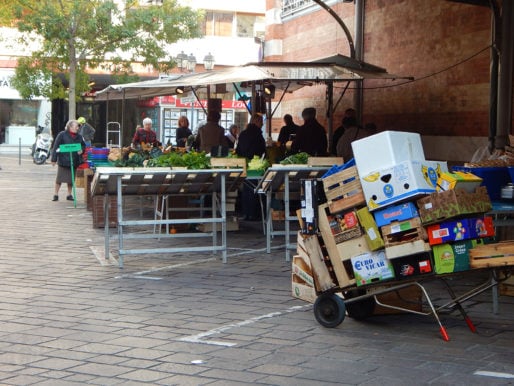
(402,181)
(385,149)
(372,267)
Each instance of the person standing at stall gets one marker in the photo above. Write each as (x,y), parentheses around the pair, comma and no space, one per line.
(145,135)
(86,131)
(63,161)
(212,134)
(352,132)
(311,137)
(232,136)
(251,143)
(287,132)
(183,131)
(338,133)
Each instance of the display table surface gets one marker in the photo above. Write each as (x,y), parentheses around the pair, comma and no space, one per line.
(285,179)
(168,182)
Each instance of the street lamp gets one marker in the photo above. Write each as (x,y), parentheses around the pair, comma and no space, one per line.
(208,61)
(191,63)
(181,60)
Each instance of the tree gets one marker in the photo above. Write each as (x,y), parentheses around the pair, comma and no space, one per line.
(77,35)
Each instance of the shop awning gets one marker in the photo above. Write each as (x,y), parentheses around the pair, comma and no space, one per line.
(288,76)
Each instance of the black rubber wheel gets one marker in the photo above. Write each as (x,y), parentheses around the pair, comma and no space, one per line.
(360,309)
(329,310)
(40,158)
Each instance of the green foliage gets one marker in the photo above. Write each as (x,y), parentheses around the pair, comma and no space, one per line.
(78,35)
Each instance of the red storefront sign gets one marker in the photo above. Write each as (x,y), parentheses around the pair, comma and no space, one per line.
(180,103)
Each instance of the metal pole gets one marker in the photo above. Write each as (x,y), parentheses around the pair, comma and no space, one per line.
(341,23)
(504,122)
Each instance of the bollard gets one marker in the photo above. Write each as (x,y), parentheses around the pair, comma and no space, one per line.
(19,151)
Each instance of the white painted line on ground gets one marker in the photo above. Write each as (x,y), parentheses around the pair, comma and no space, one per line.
(494,374)
(147,277)
(247,251)
(168,267)
(199,338)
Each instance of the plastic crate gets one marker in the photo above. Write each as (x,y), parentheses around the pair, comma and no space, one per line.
(493,178)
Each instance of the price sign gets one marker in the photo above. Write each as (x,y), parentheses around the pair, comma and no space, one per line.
(70,147)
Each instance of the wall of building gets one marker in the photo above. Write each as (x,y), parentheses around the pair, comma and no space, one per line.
(442,44)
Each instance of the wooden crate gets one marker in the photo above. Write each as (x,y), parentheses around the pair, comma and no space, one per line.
(401,232)
(339,233)
(492,255)
(408,248)
(343,190)
(341,263)
(320,270)
(324,161)
(81,178)
(88,197)
(439,206)
(403,238)
(229,163)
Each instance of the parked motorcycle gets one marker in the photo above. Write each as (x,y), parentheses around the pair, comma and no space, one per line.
(41,148)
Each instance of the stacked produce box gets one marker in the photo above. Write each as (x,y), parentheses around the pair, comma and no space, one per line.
(392,215)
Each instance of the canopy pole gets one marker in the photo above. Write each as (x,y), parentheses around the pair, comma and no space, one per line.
(330,115)
(198,99)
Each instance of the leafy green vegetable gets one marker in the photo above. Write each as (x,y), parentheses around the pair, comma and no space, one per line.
(299,158)
(256,163)
(191,160)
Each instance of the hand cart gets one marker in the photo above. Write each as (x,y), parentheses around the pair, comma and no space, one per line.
(331,306)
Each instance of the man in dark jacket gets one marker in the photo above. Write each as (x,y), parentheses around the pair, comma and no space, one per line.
(310,137)
(250,141)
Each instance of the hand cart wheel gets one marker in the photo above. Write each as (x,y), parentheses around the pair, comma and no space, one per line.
(359,309)
(329,310)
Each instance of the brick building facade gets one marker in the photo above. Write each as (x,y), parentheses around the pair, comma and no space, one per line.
(444,45)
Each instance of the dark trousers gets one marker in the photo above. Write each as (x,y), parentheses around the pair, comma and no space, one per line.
(250,206)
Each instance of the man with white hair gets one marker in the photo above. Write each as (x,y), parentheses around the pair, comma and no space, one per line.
(145,134)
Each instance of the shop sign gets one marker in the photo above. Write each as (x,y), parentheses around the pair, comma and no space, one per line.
(148,102)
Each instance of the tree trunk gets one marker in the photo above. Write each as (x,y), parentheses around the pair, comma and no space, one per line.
(72,107)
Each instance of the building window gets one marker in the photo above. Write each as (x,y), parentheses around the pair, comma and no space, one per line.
(218,24)
(249,26)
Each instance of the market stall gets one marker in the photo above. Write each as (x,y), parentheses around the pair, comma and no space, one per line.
(284,181)
(158,182)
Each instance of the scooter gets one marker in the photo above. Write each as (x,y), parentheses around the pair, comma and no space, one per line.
(41,148)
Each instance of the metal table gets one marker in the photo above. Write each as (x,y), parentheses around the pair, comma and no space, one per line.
(503,216)
(110,181)
(286,179)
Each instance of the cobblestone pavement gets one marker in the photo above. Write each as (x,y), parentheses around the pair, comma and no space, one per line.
(69,317)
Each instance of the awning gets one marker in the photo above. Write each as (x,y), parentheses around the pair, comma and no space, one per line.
(283,75)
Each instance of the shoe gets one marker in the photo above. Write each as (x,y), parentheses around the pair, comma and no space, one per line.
(69,198)
(55,198)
